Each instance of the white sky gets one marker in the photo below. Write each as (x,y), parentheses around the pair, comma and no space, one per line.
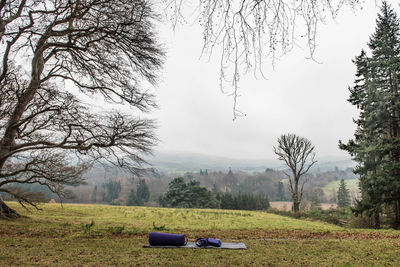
(300,96)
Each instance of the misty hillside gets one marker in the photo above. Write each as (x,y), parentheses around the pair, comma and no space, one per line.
(185,161)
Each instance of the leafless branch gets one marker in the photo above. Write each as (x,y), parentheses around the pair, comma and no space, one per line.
(251,32)
(298,154)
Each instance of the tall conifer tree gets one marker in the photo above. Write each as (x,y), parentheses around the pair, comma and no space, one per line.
(142,192)
(343,195)
(376,146)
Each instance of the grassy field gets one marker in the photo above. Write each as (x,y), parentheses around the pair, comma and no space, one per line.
(287,205)
(351,184)
(66,236)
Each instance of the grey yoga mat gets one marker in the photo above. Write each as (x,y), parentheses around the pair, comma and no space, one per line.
(224,245)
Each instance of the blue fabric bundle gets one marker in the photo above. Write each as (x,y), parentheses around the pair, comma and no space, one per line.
(165,239)
(204,242)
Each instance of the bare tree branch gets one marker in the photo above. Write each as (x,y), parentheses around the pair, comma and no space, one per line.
(48,135)
(249,33)
(298,154)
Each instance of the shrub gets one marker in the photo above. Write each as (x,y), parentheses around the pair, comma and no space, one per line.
(87,227)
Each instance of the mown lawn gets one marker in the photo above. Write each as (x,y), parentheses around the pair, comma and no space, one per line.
(62,236)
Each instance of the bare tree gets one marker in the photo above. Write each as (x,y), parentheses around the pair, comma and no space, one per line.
(298,154)
(248,33)
(52,51)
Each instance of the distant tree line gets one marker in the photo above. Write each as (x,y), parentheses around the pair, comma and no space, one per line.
(105,184)
(243,201)
(192,195)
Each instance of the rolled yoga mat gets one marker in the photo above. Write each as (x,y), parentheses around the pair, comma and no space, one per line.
(165,239)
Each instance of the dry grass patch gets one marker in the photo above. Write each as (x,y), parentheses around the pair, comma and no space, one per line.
(59,236)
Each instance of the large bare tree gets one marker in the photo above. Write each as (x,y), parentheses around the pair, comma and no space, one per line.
(246,34)
(298,154)
(53,51)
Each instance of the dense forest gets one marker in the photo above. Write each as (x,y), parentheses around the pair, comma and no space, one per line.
(110,185)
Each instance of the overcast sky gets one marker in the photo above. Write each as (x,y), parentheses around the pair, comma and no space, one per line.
(300,96)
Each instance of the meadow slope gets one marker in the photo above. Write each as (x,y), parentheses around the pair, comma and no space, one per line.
(66,236)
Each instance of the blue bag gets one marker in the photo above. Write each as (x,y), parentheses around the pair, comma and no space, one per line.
(165,239)
(204,242)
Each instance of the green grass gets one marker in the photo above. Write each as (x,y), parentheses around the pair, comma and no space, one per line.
(351,184)
(66,236)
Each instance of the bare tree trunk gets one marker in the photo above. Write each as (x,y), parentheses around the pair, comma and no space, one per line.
(6,212)
(296,205)
(296,196)
(298,154)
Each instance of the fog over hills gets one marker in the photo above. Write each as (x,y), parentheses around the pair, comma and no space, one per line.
(173,161)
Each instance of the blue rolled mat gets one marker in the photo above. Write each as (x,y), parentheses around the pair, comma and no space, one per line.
(165,239)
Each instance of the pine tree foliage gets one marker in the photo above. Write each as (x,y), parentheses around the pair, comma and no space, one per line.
(343,195)
(111,190)
(281,191)
(132,199)
(241,201)
(187,195)
(141,195)
(376,143)
(142,192)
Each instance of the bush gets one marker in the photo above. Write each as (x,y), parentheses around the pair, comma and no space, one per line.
(87,227)
(362,221)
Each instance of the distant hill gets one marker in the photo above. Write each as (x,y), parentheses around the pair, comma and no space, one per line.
(185,161)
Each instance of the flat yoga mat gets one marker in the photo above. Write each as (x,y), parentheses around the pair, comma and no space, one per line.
(224,245)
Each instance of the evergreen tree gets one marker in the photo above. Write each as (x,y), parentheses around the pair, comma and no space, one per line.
(215,189)
(281,191)
(112,190)
(200,197)
(376,146)
(187,195)
(176,196)
(132,200)
(343,195)
(142,192)
(227,201)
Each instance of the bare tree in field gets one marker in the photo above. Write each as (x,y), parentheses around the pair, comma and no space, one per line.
(245,34)
(103,49)
(298,154)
